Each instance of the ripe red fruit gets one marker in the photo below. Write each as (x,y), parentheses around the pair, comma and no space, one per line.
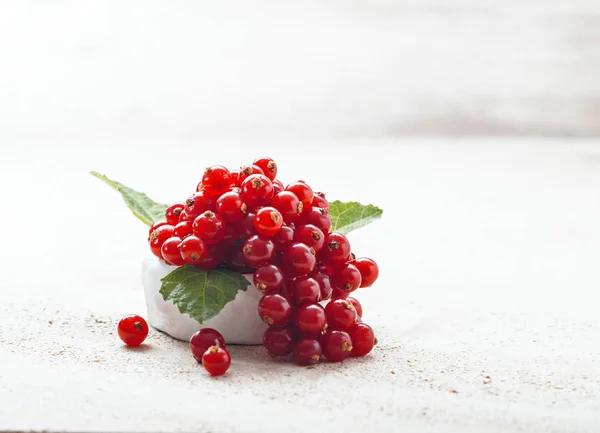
(337,293)
(193,250)
(319,217)
(183,229)
(274,309)
(288,204)
(347,277)
(158,237)
(209,227)
(302,191)
(231,207)
(284,238)
(170,251)
(298,259)
(303,290)
(156,225)
(216,360)
(173,212)
(307,351)
(268,166)
(341,314)
(247,171)
(310,235)
(246,227)
(234,259)
(337,345)
(319,200)
(215,255)
(215,180)
(357,306)
(336,249)
(363,339)
(133,330)
(368,269)
(198,203)
(183,216)
(324,283)
(258,250)
(310,320)
(268,221)
(203,339)
(268,279)
(257,189)
(279,340)
(277,186)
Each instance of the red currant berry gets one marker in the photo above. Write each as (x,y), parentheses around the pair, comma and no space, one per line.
(320,201)
(133,330)
(310,320)
(247,171)
(277,186)
(337,293)
(216,360)
(216,180)
(268,221)
(324,284)
(298,259)
(257,189)
(303,290)
(288,204)
(258,250)
(170,251)
(347,277)
(203,339)
(198,203)
(302,191)
(231,208)
(234,260)
(363,339)
(183,216)
(209,227)
(183,229)
(156,225)
(336,249)
(279,340)
(310,235)
(274,309)
(307,351)
(246,227)
(369,271)
(357,306)
(173,212)
(284,238)
(193,250)
(158,237)
(318,217)
(214,257)
(268,279)
(337,345)
(268,166)
(341,314)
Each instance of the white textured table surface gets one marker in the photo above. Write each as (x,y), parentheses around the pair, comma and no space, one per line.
(486,309)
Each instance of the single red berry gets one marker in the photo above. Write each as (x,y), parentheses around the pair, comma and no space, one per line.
(274,309)
(279,340)
(203,339)
(133,330)
(318,217)
(277,186)
(234,259)
(231,207)
(156,225)
(246,227)
(193,250)
(158,237)
(170,251)
(337,293)
(183,216)
(284,238)
(183,229)
(216,180)
(302,191)
(268,166)
(288,204)
(268,221)
(337,345)
(357,306)
(336,250)
(368,269)
(347,277)
(216,360)
(209,227)
(320,201)
(298,259)
(257,190)
(258,250)
(324,283)
(198,203)
(363,339)
(268,279)
(214,257)
(247,171)
(310,235)
(307,351)
(310,320)
(341,314)
(173,212)
(303,290)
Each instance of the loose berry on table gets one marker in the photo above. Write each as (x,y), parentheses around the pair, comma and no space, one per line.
(132,330)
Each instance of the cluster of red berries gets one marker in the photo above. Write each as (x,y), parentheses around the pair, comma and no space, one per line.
(248,221)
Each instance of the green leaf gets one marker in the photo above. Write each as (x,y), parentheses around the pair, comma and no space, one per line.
(146,209)
(348,216)
(201,294)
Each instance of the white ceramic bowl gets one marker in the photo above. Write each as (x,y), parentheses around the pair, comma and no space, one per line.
(238,321)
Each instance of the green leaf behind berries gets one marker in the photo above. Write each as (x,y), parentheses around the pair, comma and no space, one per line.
(348,216)
(142,206)
(201,294)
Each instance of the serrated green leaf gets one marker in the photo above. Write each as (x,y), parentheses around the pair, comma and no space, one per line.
(142,206)
(348,216)
(201,294)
